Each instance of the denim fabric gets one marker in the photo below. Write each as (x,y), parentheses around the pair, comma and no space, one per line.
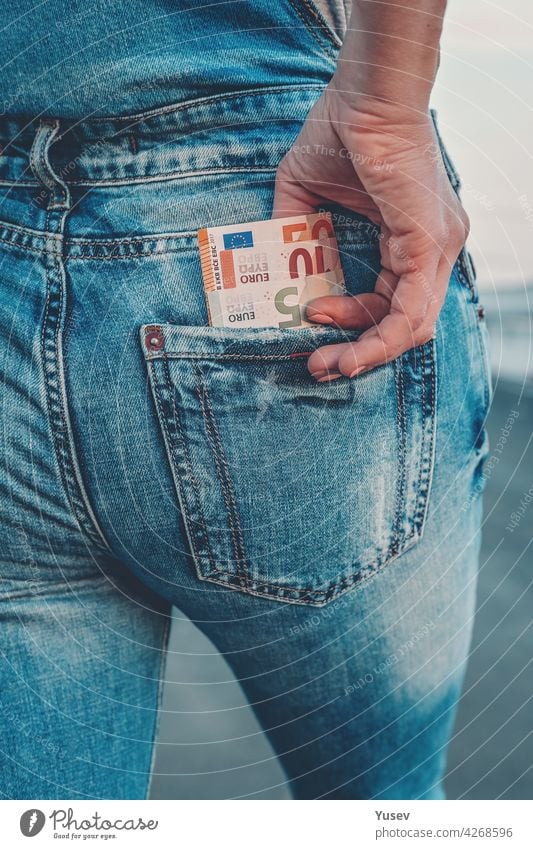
(258,448)
(116,57)
(323,536)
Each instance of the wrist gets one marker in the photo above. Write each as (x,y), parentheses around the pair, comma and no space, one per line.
(369,112)
(381,89)
(391,52)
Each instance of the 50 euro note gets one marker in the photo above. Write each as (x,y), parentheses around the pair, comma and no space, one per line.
(263,274)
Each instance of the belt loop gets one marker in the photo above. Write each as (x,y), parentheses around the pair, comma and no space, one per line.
(40,164)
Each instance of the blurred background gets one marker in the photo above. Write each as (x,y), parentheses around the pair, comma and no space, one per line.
(484,98)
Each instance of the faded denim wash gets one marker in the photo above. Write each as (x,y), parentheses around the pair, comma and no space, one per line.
(324,536)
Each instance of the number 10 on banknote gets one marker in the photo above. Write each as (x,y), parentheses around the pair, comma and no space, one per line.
(263,274)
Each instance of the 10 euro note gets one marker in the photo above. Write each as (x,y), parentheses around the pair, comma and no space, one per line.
(264,273)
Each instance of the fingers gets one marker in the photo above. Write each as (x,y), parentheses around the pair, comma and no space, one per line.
(355,311)
(410,321)
(324,362)
(373,348)
(389,340)
(349,312)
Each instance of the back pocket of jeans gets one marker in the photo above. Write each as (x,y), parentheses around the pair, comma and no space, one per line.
(291,489)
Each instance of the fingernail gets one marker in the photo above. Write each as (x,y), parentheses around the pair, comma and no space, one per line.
(323,319)
(359,370)
(322,373)
(327,377)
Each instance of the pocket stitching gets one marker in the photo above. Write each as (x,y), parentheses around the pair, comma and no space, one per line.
(419,491)
(429,418)
(224,477)
(208,355)
(400,491)
(188,463)
(400,543)
(487,380)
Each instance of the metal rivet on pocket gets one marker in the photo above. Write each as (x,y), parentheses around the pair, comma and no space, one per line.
(154,339)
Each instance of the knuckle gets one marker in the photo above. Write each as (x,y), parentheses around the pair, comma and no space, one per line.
(393,348)
(419,318)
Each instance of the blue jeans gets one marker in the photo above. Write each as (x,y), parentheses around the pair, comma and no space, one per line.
(323,536)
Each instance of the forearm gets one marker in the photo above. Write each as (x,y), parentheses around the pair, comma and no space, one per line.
(391,52)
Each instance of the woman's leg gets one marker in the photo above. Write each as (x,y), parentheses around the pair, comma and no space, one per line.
(81,641)
(358,698)
(80,669)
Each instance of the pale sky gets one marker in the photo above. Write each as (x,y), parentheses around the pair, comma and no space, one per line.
(484,99)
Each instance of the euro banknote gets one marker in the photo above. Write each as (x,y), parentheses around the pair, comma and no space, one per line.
(263,273)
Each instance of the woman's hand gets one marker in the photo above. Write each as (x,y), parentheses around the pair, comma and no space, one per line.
(383,161)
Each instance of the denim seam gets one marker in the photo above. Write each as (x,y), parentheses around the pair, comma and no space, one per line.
(195,103)
(88,257)
(423,407)
(133,241)
(37,161)
(464,275)
(38,251)
(92,258)
(400,486)
(173,355)
(161,177)
(224,476)
(16,229)
(117,255)
(19,184)
(80,244)
(171,443)
(323,23)
(304,595)
(117,248)
(56,403)
(321,34)
(449,167)
(52,354)
(429,416)
(165,176)
(432,425)
(40,165)
(485,376)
